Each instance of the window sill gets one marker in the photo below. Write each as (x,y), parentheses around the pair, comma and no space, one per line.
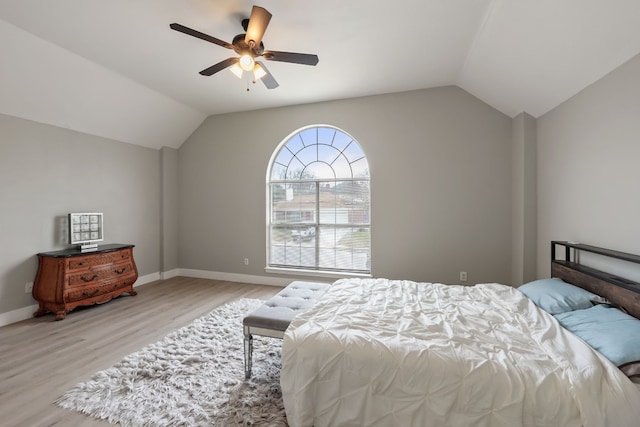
(315,273)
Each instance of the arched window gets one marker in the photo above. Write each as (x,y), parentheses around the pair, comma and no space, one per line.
(319,203)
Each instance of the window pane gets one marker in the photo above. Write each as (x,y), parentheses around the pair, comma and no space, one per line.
(353,152)
(295,170)
(326,135)
(341,141)
(295,144)
(309,136)
(342,167)
(278,172)
(344,248)
(293,246)
(319,170)
(308,154)
(344,202)
(360,168)
(284,157)
(293,203)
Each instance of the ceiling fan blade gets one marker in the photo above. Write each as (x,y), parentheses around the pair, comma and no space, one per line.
(296,58)
(202,36)
(268,79)
(258,22)
(219,66)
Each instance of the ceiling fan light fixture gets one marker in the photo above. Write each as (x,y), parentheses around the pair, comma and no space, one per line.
(237,70)
(258,72)
(246,62)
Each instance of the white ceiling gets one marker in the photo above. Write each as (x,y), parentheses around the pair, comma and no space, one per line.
(115,69)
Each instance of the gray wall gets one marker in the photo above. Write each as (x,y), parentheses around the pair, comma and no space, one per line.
(441,168)
(588,167)
(46,172)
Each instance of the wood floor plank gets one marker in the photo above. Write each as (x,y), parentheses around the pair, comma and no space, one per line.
(41,358)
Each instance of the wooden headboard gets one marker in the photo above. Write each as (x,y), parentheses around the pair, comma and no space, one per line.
(618,290)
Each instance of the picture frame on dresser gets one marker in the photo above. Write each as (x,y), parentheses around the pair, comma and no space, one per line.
(86,229)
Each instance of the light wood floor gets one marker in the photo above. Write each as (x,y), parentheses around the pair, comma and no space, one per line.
(40,358)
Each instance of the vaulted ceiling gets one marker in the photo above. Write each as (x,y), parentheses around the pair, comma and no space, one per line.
(115,69)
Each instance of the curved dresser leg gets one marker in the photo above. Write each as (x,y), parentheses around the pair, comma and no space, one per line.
(41,311)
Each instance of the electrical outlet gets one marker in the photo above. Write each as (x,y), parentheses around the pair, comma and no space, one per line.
(463,276)
(246,261)
(28,287)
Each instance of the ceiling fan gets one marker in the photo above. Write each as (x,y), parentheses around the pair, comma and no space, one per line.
(249,47)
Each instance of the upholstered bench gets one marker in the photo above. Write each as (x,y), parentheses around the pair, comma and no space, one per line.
(273,317)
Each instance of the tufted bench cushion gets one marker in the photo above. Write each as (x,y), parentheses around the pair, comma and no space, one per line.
(273,317)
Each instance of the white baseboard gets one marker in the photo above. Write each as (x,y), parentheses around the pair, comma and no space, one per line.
(169,274)
(233,277)
(147,278)
(17,315)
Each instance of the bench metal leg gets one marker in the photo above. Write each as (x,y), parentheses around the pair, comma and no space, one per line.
(248,353)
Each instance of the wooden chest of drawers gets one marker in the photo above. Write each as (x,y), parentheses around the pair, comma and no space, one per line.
(69,278)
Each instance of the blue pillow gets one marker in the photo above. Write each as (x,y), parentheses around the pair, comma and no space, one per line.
(557,296)
(612,332)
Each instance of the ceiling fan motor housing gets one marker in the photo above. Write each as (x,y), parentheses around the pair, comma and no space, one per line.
(241,47)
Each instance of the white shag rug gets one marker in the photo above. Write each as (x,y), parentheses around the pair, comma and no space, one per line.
(193,377)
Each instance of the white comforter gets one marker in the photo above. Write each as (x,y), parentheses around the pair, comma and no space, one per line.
(374,352)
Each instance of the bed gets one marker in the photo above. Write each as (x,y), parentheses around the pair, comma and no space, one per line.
(377,352)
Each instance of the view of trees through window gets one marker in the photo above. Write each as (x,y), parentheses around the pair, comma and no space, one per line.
(319,203)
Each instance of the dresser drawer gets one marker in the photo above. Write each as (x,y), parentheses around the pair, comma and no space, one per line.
(93,275)
(89,261)
(96,290)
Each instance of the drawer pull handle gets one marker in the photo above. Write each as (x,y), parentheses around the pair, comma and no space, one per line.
(86,279)
(122,270)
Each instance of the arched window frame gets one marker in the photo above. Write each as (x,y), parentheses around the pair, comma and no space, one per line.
(319,205)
